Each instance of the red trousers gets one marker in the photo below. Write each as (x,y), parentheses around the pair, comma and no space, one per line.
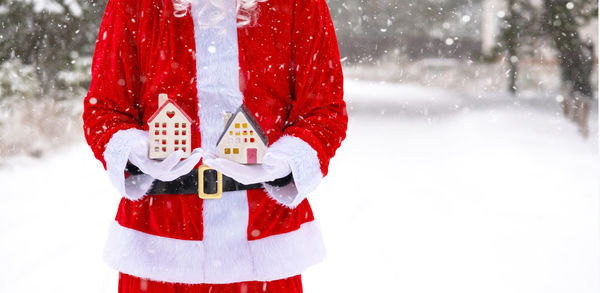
(131,284)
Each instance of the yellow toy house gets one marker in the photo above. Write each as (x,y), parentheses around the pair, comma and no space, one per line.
(242,140)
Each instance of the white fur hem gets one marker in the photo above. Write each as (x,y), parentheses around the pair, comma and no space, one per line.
(185,261)
(116,155)
(306,171)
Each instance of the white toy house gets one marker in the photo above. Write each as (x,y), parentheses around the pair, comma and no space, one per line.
(242,140)
(169,129)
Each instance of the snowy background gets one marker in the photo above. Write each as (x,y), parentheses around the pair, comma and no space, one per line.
(488,197)
(446,182)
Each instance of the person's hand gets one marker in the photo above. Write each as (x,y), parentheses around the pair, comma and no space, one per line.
(274,166)
(168,169)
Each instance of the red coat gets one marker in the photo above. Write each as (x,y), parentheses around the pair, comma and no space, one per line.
(290,78)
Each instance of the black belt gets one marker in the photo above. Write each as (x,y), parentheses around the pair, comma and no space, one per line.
(212,185)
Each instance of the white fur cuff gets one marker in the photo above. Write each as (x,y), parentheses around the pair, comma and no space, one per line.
(306,171)
(116,155)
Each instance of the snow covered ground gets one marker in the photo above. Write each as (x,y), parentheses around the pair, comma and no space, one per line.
(430,192)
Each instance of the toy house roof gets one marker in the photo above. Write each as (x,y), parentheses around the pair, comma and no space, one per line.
(246,112)
(169,101)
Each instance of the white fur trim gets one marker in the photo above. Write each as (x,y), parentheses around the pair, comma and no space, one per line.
(116,155)
(136,186)
(217,80)
(186,261)
(225,232)
(306,171)
(284,195)
(285,255)
(217,72)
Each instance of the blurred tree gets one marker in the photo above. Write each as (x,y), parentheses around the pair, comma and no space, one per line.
(518,32)
(523,28)
(562,20)
(49,35)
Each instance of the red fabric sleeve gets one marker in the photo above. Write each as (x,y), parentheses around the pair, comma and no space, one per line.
(110,104)
(318,114)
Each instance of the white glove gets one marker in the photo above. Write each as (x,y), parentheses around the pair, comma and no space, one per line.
(132,145)
(274,166)
(168,169)
(287,155)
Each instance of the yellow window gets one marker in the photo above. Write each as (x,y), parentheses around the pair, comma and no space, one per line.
(244,125)
(237,133)
(237,125)
(230,132)
(245,132)
(236,151)
(227,151)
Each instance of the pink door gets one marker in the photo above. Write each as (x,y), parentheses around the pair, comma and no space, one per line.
(251,155)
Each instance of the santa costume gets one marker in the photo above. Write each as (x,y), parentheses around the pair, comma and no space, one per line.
(285,68)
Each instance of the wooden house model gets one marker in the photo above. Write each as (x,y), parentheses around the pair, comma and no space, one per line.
(169,129)
(242,140)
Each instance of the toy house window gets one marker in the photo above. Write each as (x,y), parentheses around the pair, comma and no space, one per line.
(164,124)
(236,151)
(156,132)
(164,141)
(164,149)
(176,148)
(237,133)
(244,125)
(176,125)
(182,124)
(230,132)
(156,149)
(156,124)
(245,139)
(252,139)
(237,125)
(183,132)
(227,151)
(177,141)
(245,132)
(164,132)
(156,141)
(176,132)
(183,141)
(251,132)
(183,149)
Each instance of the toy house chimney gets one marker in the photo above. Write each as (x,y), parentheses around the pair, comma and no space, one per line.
(162,99)
(226,117)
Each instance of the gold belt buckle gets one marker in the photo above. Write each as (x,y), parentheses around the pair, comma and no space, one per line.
(201,193)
